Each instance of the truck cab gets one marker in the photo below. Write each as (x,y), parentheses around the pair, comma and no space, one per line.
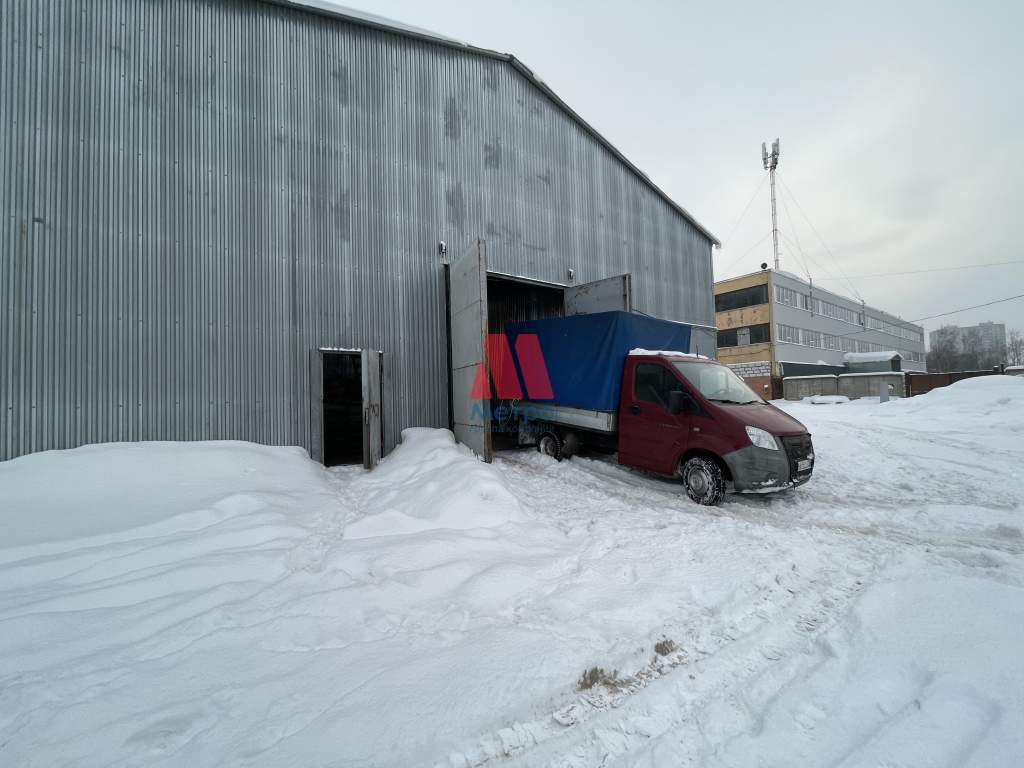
(693,418)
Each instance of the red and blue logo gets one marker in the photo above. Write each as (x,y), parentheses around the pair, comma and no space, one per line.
(502,367)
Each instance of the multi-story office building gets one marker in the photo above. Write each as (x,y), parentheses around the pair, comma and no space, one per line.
(773,324)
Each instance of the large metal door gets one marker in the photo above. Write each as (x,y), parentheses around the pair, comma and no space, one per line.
(372,361)
(316,405)
(607,295)
(468,321)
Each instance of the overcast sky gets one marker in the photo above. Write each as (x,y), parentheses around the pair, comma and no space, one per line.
(901,124)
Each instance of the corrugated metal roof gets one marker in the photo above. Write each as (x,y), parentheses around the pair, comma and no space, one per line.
(325,8)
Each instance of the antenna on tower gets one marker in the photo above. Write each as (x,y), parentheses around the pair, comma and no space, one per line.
(771,162)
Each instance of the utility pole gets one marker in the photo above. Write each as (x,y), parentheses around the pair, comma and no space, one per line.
(771,161)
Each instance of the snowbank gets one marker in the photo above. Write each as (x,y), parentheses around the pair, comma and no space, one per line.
(105,490)
(219,604)
(431,482)
(826,399)
(980,396)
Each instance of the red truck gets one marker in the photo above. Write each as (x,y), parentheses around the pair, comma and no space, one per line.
(678,415)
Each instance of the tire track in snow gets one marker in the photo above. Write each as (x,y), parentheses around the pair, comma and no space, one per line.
(746,638)
(612,730)
(717,659)
(787,510)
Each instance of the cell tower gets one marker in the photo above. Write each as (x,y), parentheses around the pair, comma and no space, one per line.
(771,162)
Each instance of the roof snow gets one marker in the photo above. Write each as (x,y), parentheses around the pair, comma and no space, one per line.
(790,275)
(374,19)
(665,353)
(871,357)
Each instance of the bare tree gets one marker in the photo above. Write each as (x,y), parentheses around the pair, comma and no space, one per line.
(1015,348)
(992,357)
(944,354)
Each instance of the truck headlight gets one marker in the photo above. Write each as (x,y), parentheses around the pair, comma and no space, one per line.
(762,439)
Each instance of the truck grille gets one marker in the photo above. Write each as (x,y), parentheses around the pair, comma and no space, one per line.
(799,448)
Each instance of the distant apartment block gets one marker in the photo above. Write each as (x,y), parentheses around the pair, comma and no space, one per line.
(983,338)
(773,324)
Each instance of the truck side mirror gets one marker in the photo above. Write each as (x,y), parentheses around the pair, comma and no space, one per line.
(677,401)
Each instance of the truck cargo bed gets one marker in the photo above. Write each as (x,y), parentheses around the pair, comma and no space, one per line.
(581,418)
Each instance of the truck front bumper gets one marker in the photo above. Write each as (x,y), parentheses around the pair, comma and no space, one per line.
(759,470)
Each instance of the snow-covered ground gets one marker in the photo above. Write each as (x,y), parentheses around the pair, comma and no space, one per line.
(222,604)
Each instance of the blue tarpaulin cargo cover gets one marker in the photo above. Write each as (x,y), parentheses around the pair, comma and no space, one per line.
(585,354)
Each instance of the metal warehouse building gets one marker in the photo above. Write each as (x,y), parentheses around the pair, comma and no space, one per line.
(208,204)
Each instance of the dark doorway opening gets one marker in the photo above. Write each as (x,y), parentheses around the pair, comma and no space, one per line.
(511,300)
(342,408)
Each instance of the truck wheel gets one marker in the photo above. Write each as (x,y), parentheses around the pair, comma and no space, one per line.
(704,481)
(550,444)
(570,444)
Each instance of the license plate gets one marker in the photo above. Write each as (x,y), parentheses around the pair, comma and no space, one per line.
(804,464)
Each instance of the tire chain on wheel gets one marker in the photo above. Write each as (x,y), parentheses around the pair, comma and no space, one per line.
(716,480)
(557,455)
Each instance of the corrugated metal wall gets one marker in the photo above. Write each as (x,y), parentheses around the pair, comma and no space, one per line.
(196,194)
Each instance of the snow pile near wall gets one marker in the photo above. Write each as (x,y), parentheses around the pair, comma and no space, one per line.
(101,491)
(204,604)
(430,482)
(989,406)
(826,399)
(982,396)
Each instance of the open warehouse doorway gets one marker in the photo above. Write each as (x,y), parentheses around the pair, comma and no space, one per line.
(511,299)
(480,302)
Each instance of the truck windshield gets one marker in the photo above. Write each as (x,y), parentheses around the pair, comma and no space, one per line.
(718,383)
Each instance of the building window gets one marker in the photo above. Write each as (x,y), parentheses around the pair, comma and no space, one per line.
(893,329)
(741,337)
(787,334)
(744,297)
(836,312)
(813,339)
(760,334)
(792,298)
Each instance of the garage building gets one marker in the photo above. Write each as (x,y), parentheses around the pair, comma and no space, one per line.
(254,220)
